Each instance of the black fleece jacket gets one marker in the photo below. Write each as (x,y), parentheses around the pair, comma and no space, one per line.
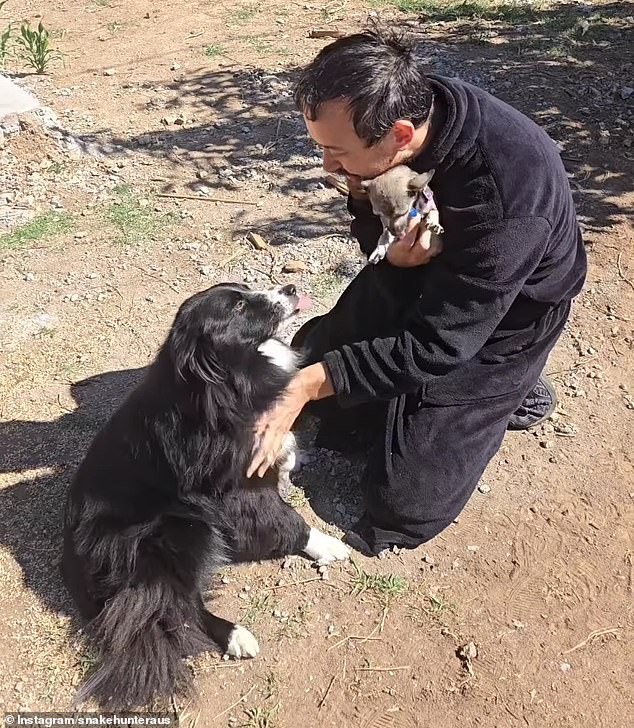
(512,247)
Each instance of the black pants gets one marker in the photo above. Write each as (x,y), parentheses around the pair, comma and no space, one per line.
(429,449)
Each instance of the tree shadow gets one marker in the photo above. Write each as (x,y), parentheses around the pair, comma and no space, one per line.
(31,511)
(566,67)
(237,128)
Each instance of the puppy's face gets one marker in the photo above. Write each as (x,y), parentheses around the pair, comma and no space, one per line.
(216,329)
(393,194)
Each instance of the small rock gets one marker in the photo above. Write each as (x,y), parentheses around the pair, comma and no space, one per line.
(205,270)
(175,66)
(626,92)
(109,72)
(201,174)
(74,298)
(484,488)
(429,559)
(247,589)
(150,299)
(288,563)
(565,667)
(225,580)
(29,277)
(468,651)
(294,266)
(19,686)
(546,444)
(473,548)
(331,629)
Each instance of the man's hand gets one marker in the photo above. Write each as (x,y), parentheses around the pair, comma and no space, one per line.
(310,383)
(417,247)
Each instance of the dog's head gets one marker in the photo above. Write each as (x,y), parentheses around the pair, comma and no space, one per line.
(221,340)
(393,195)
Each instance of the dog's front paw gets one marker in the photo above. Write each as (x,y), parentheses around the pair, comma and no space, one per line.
(378,254)
(325,549)
(436,228)
(242,644)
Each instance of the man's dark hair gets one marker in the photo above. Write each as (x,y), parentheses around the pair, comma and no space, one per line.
(378,73)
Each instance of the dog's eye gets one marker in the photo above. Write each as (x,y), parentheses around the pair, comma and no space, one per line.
(239,305)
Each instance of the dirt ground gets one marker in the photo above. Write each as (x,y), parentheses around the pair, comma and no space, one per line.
(194,98)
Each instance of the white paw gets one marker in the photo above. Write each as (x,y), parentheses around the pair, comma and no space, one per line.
(378,254)
(242,643)
(325,549)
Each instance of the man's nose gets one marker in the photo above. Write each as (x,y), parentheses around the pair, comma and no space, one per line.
(330,164)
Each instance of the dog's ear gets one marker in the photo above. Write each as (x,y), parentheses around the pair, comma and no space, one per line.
(420,181)
(195,359)
(204,364)
(365,184)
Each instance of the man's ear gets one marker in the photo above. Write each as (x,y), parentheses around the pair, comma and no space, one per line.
(421,180)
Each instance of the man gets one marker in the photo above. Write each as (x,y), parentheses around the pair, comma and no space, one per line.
(429,361)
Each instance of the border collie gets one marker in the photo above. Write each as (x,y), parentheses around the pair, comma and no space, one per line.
(161,499)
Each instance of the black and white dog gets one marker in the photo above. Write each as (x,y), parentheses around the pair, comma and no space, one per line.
(161,499)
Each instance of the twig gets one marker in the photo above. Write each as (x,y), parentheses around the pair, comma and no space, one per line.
(383,619)
(382,669)
(590,637)
(622,275)
(325,33)
(327,693)
(195,35)
(200,198)
(231,707)
(293,583)
(59,402)
(156,278)
(231,258)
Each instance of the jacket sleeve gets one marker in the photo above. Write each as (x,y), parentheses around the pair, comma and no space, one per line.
(471,290)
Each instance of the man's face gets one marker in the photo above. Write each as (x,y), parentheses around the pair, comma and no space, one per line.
(344,151)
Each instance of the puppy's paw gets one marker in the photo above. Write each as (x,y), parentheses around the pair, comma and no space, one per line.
(242,644)
(378,254)
(325,549)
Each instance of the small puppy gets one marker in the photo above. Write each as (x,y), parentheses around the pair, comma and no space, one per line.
(397,196)
(161,500)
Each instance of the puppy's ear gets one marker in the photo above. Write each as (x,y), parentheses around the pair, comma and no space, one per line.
(421,180)
(365,184)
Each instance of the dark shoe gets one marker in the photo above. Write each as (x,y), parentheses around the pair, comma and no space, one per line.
(537,407)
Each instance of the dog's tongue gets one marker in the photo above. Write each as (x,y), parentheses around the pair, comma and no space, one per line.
(303,303)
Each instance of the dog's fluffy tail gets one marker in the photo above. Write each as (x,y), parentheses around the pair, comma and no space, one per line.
(143,634)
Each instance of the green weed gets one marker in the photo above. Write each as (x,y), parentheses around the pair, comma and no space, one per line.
(296,497)
(257,607)
(387,585)
(5,39)
(133,220)
(243,15)
(35,49)
(43,226)
(512,11)
(212,51)
(261,717)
